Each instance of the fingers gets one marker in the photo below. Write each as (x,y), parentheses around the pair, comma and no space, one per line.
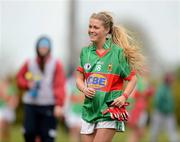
(118,101)
(89,92)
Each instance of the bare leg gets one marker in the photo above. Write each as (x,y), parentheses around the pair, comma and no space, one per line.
(105,135)
(87,137)
(133,136)
(74,134)
(4,131)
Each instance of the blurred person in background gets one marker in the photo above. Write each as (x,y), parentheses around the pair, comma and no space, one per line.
(138,115)
(106,64)
(8,103)
(163,114)
(73,109)
(43,80)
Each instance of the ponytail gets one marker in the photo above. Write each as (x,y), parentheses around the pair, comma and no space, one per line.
(130,48)
(123,39)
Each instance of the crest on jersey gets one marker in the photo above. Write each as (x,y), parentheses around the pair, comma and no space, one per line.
(109,67)
(87,66)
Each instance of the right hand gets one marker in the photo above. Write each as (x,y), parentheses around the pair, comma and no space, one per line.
(58,112)
(89,92)
(120,101)
(31,84)
(118,113)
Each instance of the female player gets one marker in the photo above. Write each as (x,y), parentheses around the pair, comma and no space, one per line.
(111,59)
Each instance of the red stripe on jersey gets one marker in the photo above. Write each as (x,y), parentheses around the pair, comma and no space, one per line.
(111,81)
(80,69)
(101,54)
(129,77)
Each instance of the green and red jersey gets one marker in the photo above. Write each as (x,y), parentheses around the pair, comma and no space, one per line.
(105,73)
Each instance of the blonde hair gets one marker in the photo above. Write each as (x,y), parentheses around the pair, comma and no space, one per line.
(123,39)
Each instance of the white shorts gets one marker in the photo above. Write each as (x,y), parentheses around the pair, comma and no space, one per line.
(88,128)
(7,114)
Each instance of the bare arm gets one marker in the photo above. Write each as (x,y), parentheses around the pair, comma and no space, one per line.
(130,86)
(80,81)
(128,90)
(88,92)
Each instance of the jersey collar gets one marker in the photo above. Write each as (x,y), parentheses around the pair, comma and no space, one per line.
(106,45)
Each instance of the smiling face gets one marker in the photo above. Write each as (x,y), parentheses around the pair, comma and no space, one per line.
(96,30)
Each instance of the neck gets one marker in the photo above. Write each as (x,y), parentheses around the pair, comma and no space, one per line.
(99,44)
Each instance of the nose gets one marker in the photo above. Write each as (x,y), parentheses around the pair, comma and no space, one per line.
(91,30)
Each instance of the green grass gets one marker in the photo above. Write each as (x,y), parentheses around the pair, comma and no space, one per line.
(62,136)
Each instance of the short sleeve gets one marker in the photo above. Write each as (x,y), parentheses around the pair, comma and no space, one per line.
(125,72)
(80,66)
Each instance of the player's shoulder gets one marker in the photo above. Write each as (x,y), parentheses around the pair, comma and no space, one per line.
(116,48)
(87,48)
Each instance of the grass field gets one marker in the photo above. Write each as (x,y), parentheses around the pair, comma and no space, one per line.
(62,136)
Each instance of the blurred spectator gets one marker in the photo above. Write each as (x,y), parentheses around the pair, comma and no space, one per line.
(138,115)
(73,105)
(163,115)
(43,80)
(8,103)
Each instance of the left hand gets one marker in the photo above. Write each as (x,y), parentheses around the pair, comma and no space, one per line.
(58,111)
(119,101)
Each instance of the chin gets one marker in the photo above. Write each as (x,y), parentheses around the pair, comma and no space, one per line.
(93,40)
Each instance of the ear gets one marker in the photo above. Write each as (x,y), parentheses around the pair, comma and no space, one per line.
(107,31)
